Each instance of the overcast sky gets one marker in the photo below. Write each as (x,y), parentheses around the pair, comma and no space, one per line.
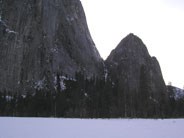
(159,23)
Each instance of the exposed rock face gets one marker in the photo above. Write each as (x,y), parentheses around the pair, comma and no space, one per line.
(136,72)
(40,39)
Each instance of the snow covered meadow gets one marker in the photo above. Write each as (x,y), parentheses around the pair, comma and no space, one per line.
(90,128)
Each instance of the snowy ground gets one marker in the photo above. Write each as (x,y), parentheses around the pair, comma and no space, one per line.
(90,128)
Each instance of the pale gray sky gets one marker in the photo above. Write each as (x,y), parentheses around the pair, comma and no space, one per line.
(159,23)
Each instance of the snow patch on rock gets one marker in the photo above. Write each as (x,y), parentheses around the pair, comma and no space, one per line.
(40,84)
(178,93)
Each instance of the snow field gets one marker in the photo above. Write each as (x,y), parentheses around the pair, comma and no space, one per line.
(90,128)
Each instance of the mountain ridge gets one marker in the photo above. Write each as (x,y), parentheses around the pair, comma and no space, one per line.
(49,66)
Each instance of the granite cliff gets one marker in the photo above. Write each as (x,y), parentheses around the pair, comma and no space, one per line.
(138,75)
(41,39)
(46,48)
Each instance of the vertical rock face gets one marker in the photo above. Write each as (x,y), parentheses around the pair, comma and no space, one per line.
(130,60)
(137,73)
(40,39)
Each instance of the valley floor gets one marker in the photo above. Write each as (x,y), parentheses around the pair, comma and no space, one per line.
(90,128)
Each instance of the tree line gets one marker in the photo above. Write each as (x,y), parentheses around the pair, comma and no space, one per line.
(89,98)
